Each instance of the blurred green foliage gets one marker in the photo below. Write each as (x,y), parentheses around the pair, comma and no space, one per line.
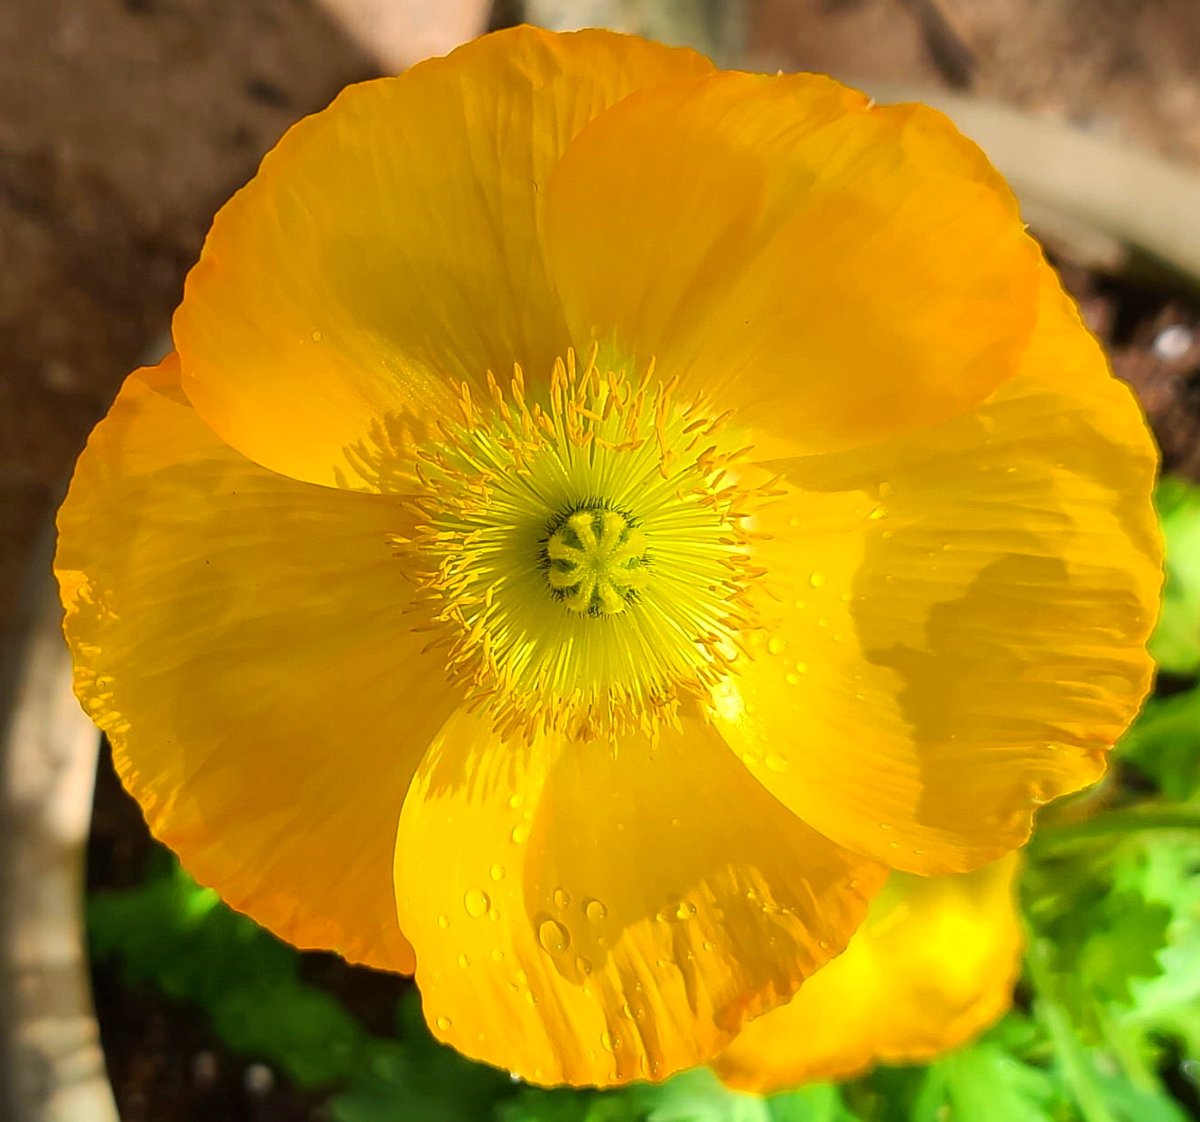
(1105,1028)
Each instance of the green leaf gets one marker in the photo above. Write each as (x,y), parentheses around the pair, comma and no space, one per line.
(696,1096)
(171,932)
(1164,742)
(818,1103)
(1176,642)
(985,1083)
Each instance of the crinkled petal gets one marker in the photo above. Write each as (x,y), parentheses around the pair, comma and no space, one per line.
(933,965)
(391,243)
(589,914)
(246,642)
(956,625)
(835,271)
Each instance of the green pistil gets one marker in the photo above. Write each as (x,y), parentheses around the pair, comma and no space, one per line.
(597,561)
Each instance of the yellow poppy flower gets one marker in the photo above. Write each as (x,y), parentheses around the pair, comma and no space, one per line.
(601,515)
(932,966)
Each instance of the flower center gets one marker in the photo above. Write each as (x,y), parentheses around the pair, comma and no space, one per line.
(596,561)
(581,549)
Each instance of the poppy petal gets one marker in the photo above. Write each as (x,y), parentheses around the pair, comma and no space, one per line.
(834,271)
(931,967)
(590,913)
(245,642)
(390,244)
(957,621)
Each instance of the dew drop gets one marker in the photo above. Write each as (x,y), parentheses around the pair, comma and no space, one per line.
(316,336)
(816,579)
(553,936)
(878,513)
(515,801)
(520,833)
(776,763)
(775,645)
(791,678)
(594,910)
(497,954)
(476,902)
(607,1042)
(583,965)
(497,872)
(463,961)
(444,1023)
(443,922)
(885,489)
(561,898)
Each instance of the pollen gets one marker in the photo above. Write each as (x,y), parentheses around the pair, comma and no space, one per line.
(582,550)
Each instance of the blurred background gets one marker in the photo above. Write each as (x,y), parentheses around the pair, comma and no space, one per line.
(124,124)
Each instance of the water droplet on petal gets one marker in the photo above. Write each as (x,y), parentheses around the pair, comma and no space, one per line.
(775,645)
(497,872)
(583,965)
(476,902)
(444,1023)
(885,489)
(561,898)
(816,579)
(776,763)
(443,922)
(553,936)
(316,336)
(463,961)
(520,833)
(594,910)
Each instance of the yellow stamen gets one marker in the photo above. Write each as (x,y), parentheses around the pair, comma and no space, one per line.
(585,553)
